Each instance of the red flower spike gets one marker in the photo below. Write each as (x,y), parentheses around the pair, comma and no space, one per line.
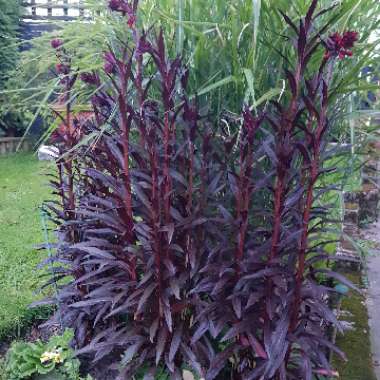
(340,44)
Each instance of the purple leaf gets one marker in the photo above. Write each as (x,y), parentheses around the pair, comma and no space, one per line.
(218,363)
(153,329)
(143,300)
(176,341)
(161,343)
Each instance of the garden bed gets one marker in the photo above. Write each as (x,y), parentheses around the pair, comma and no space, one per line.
(12,144)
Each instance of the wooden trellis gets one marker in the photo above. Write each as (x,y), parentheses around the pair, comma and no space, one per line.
(41,15)
(49,9)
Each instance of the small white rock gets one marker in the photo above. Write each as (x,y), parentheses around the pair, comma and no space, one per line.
(187,375)
(48,153)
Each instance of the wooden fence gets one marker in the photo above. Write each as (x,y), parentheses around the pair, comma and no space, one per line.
(63,10)
(9,145)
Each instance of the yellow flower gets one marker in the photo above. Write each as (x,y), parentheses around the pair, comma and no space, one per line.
(45,357)
(54,356)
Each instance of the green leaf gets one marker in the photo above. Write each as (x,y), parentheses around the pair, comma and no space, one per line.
(268,96)
(250,93)
(214,86)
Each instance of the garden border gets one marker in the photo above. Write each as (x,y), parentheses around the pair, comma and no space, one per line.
(12,144)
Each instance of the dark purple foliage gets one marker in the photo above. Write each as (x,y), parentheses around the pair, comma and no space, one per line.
(179,244)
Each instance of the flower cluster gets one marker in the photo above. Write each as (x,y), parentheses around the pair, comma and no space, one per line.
(125,8)
(52,356)
(341,44)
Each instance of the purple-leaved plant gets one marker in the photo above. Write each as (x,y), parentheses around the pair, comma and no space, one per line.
(191,247)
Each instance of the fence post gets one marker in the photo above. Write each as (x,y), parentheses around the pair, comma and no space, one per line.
(66,8)
(34,9)
(81,9)
(50,9)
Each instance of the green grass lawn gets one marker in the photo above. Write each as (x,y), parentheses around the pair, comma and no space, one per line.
(23,187)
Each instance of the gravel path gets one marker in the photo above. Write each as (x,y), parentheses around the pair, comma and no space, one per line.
(373,299)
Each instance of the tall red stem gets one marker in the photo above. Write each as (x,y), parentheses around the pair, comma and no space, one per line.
(125,127)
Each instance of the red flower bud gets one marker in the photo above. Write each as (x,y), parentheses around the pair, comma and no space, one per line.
(56,43)
(114,5)
(132,21)
(90,78)
(143,46)
(109,63)
(62,68)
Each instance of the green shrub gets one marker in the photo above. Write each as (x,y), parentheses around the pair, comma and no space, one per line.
(9,24)
(38,360)
(9,20)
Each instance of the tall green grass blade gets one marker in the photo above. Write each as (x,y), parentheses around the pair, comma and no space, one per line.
(180,29)
(212,87)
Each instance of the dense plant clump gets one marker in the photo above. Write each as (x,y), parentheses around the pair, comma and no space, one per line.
(180,244)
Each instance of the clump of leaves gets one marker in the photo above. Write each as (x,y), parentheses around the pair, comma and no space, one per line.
(30,359)
(183,245)
(265,284)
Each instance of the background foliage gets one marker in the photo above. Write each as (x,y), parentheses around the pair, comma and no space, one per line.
(9,25)
(238,39)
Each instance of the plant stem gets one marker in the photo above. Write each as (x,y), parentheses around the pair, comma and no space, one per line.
(125,127)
